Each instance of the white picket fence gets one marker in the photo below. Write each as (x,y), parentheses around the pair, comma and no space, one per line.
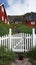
(19,42)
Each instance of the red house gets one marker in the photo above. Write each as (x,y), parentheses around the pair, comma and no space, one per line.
(3,15)
(31,18)
(32,23)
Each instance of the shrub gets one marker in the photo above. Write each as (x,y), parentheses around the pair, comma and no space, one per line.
(31,54)
(7,55)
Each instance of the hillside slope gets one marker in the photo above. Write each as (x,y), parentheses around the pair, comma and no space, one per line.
(4,28)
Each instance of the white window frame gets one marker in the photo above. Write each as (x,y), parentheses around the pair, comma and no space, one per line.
(33,22)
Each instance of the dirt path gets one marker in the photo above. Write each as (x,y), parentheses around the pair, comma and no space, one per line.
(22,62)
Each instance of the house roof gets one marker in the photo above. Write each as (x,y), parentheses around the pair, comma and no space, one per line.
(1,4)
(30,16)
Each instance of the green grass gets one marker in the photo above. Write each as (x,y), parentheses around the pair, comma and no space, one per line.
(6,56)
(32,61)
(31,54)
(4,28)
(3,62)
(22,28)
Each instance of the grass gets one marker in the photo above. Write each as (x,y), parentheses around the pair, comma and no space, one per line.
(31,55)
(4,28)
(7,56)
(3,62)
(32,62)
(22,28)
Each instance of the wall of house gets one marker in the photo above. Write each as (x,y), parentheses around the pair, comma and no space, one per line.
(3,15)
(32,23)
(31,18)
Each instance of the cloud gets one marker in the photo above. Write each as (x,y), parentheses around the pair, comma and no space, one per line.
(15,8)
(20,7)
(32,5)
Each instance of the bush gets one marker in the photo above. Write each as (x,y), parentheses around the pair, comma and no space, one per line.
(31,54)
(7,55)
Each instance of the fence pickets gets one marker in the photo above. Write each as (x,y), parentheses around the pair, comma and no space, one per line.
(19,42)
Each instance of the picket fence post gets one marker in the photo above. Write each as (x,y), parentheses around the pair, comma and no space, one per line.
(10,32)
(33,33)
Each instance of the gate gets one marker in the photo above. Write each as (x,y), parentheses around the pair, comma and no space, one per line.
(19,42)
(22,43)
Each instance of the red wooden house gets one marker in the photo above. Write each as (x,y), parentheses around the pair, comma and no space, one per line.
(3,15)
(31,18)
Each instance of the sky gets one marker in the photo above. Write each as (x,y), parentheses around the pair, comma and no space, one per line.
(19,7)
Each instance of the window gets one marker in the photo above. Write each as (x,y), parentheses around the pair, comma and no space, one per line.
(33,22)
(2,9)
(2,18)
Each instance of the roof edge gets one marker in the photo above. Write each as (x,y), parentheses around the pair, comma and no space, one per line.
(1,4)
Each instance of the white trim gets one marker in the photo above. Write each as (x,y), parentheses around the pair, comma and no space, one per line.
(33,22)
(1,4)
(2,9)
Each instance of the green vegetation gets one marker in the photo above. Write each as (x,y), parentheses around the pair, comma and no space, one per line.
(31,54)
(6,56)
(32,62)
(4,28)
